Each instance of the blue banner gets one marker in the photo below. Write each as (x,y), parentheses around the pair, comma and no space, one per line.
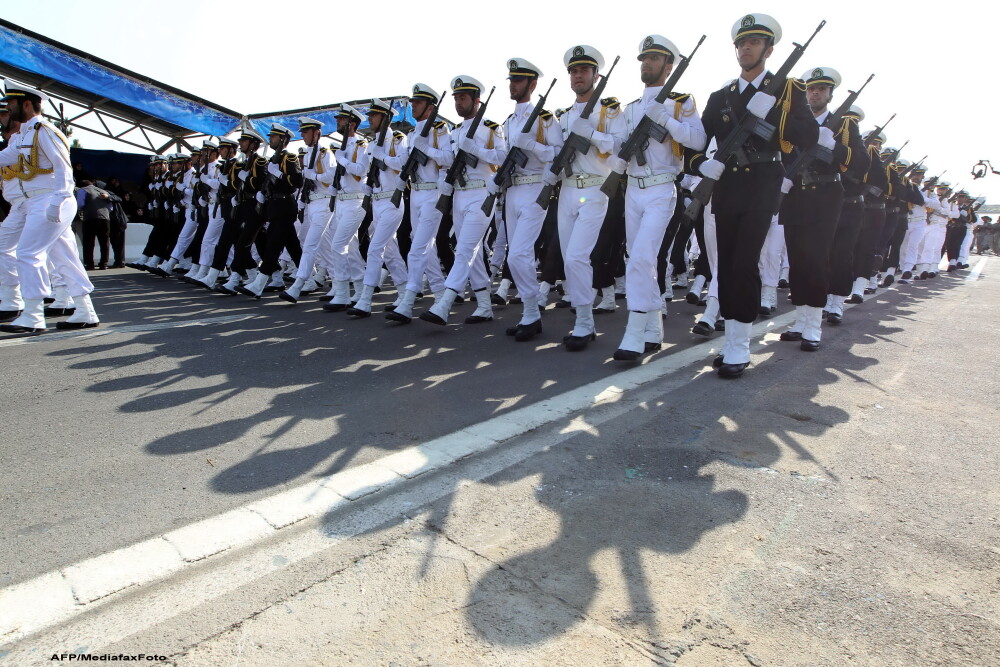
(401,112)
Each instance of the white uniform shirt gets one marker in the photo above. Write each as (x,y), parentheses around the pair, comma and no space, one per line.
(357,170)
(438,150)
(493,156)
(53,153)
(660,157)
(608,141)
(389,178)
(542,154)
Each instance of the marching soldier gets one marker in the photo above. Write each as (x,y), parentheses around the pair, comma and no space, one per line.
(238,235)
(916,224)
(582,205)
(940,212)
(188,214)
(45,178)
(154,207)
(218,180)
(425,218)
(651,195)
(11,303)
(876,186)
(470,222)
(317,189)
(746,195)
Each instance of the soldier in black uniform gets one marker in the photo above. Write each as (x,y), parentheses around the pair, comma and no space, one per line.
(281,181)
(248,178)
(811,211)
(876,185)
(746,195)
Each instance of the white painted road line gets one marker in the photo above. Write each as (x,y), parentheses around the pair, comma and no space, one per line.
(84,334)
(977,270)
(68,592)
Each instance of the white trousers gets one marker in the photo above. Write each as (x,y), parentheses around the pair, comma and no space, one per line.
(10,234)
(213,232)
(930,251)
(317,216)
(916,230)
(581,214)
(188,231)
(524,223)
(383,246)
(963,254)
(41,241)
(712,250)
(470,225)
(423,259)
(647,214)
(771,254)
(342,233)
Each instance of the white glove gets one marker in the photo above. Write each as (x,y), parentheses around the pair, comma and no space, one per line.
(301,205)
(158,186)
(202,201)
(582,127)
(378,152)
(492,187)
(617,164)
(420,143)
(342,159)
(525,141)
(712,169)
(259,197)
(761,103)
(548,178)
(188,192)
(309,174)
(234,201)
(659,114)
(223,179)
(445,188)
(469,146)
(274,170)
(366,190)
(149,206)
(175,209)
(243,175)
(52,212)
(826,138)
(786,186)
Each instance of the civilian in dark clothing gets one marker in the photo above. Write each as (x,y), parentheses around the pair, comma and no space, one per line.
(95,205)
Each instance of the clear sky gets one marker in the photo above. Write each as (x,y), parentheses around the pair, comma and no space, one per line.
(253,56)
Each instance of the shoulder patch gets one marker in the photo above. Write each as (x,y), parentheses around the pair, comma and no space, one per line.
(397,134)
(439,123)
(490,124)
(610,102)
(544,114)
(679,97)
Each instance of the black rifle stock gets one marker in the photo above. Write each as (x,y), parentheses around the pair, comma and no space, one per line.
(416,157)
(515,157)
(909,170)
(574,142)
(308,185)
(747,126)
(377,166)
(646,130)
(463,160)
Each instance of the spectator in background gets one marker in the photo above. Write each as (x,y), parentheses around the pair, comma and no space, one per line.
(80,174)
(95,206)
(115,187)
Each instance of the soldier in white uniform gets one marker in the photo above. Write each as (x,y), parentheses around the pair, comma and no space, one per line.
(470,222)
(425,218)
(352,166)
(190,228)
(651,196)
(582,205)
(41,155)
(11,303)
(388,161)
(522,216)
(939,212)
(318,172)
(215,179)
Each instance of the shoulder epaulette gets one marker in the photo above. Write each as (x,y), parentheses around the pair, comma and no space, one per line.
(439,123)
(544,114)
(680,97)
(610,102)
(490,124)
(560,112)
(322,149)
(798,83)
(397,134)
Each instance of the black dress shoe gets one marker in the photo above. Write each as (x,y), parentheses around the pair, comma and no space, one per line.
(428,316)
(720,325)
(356,312)
(54,312)
(702,329)
(88,267)
(765,311)
(730,371)
(497,300)
(526,332)
(77,325)
(18,329)
(626,355)
(49,299)
(824,314)
(243,290)
(578,343)
(855,298)
(326,298)
(791,336)
(274,288)
(718,361)
(907,275)
(834,319)
(158,271)
(652,347)
(923,275)
(869,290)
(951,268)
(604,311)
(118,265)
(393,316)
(222,289)
(515,300)
(511,331)
(963,266)
(809,345)
(888,280)
(563,303)
(932,274)
(285,296)
(478,319)
(620,296)
(335,307)
(692,298)
(459,299)
(11,315)
(782,284)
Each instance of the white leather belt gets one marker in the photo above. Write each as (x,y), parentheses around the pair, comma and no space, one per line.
(526,180)
(28,194)
(344,196)
(424,186)
(383,195)
(643,182)
(472,185)
(314,196)
(583,181)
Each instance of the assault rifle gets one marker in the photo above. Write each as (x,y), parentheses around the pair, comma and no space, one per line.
(873,135)
(463,160)
(748,125)
(416,157)
(647,130)
(377,166)
(574,142)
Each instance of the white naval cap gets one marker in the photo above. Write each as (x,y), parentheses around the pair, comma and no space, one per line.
(17,91)
(154,159)
(822,75)
(880,138)
(278,128)
(888,150)
(757,25)
(349,112)
(657,44)
(380,106)
(251,134)
(421,91)
(583,55)
(464,83)
(210,145)
(520,68)
(943,184)
(903,164)
(856,112)
(309,124)
(227,142)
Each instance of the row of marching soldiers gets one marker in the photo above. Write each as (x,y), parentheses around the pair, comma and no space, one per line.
(836,223)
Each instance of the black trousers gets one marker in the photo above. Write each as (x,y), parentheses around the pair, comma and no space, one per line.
(864,249)
(157,236)
(891,255)
(744,202)
(608,256)
(668,240)
(680,247)
(194,248)
(281,234)
(117,239)
(953,240)
(810,216)
(550,259)
(251,223)
(852,219)
(227,239)
(96,229)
